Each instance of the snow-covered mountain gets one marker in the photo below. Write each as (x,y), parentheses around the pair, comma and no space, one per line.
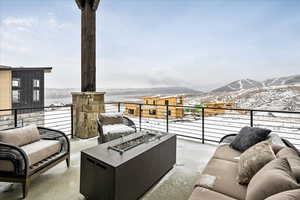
(284,97)
(245,84)
(239,85)
(287,80)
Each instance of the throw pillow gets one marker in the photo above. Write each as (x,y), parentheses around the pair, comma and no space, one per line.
(273,178)
(252,160)
(20,136)
(249,136)
(287,195)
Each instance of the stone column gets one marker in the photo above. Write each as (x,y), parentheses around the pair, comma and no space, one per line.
(86,107)
(88,103)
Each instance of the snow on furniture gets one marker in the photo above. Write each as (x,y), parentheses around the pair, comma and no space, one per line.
(112,126)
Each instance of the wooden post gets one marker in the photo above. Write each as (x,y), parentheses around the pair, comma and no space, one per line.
(88,44)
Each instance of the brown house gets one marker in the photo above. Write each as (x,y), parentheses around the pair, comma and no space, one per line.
(215,108)
(155,107)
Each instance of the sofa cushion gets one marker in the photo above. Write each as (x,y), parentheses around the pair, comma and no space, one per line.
(200,193)
(287,152)
(117,129)
(20,136)
(287,195)
(252,160)
(41,150)
(225,173)
(249,136)
(110,118)
(273,178)
(6,166)
(225,152)
(293,159)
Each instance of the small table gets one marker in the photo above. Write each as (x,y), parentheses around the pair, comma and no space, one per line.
(124,169)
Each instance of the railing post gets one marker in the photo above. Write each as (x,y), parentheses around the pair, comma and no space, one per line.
(203,114)
(167,118)
(16,117)
(251,118)
(119,107)
(72,122)
(140,116)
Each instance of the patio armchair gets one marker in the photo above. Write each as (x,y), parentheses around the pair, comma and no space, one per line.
(112,126)
(26,153)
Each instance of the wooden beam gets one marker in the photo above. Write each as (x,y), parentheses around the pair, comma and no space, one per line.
(80,4)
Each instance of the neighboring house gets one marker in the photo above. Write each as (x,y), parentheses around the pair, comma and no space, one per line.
(22,87)
(155,107)
(215,108)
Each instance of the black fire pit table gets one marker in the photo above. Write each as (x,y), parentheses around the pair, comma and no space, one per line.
(126,168)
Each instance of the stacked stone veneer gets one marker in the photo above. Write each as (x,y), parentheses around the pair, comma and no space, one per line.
(86,107)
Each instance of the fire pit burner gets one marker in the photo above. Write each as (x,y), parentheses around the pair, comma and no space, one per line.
(126,145)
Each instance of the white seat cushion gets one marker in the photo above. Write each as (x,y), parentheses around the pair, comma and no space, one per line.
(117,129)
(41,150)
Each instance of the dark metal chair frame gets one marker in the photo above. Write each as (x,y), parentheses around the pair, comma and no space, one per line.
(126,121)
(28,173)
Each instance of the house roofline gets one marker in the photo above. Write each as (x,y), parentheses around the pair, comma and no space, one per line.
(8,68)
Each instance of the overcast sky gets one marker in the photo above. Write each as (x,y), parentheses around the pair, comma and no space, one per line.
(200,44)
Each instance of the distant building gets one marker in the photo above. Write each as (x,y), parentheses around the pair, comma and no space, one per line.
(156,107)
(215,108)
(22,87)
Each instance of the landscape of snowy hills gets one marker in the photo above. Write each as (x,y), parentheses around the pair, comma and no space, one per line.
(281,93)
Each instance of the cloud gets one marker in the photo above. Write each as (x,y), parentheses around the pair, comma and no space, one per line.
(27,22)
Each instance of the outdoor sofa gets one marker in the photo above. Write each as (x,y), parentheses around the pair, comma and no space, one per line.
(218,180)
(112,126)
(26,153)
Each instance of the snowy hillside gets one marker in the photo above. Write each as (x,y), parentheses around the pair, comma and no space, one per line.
(271,98)
(239,85)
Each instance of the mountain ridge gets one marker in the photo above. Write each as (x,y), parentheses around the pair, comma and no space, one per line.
(244,84)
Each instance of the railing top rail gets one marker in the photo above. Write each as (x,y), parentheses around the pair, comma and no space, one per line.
(205,107)
(36,108)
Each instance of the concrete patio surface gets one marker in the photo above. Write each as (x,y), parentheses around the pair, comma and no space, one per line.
(61,183)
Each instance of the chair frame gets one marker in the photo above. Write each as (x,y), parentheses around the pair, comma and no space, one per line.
(126,121)
(26,177)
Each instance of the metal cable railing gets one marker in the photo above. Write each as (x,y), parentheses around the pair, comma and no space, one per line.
(202,123)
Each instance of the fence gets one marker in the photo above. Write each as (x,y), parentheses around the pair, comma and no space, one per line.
(209,124)
(55,117)
(201,123)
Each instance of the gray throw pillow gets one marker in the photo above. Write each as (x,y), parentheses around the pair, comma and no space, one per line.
(252,160)
(249,136)
(273,178)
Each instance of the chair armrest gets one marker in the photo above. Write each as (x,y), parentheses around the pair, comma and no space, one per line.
(17,156)
(100,131)
(129,122)
(51,134)
(227,137)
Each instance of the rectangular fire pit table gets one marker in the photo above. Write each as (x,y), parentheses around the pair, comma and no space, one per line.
(124,169)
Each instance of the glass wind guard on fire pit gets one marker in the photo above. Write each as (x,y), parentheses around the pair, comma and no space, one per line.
(144,137)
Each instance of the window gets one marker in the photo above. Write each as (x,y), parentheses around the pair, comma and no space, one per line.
(36,95)
(166,102)
(154,103)
(16,82)
(16,96)
(131,111)
(169,113)
(179,100)
(36,83)
(146,101)
(152,112)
